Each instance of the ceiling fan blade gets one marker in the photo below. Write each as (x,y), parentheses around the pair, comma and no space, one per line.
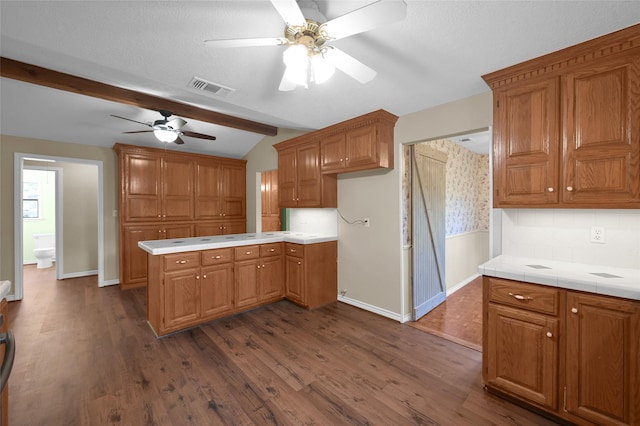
(198,135)
(140,131)
(366,18)
(289,11)
(349,65)
(128,119)
(247,42)
(176,123)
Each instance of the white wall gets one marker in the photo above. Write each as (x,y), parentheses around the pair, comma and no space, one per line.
(463,254)
(564,234)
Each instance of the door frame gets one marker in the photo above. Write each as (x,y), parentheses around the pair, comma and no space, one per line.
(18,167)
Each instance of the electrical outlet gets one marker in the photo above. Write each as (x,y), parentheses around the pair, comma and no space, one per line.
(366,222)
(597,234)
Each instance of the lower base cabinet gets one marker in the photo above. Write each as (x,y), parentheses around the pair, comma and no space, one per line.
(190,288)
(572,354)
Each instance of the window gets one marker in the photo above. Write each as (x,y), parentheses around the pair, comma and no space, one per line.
(30,200)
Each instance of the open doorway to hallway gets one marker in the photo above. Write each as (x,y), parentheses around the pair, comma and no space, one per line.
(468,236)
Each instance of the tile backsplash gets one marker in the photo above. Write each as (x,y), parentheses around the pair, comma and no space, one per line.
(564,235)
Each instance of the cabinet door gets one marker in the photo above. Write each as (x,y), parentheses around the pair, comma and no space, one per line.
(309,192)
(141,176)
(216,290)
(133,259)
(234,227)
(526,148)
(332,150)
(181,298)
(287,178)
(361,148)
(233,191)
(522,354)
(177,231)
(603,359)
(246,283)
(294,279)
(271,278)
(207,190)
(601,122)
(177,184)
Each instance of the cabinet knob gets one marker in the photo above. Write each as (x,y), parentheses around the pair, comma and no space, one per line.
(549,334)
(197,277)
(574,310)
(164,215)
(341,160)
(299,263)
(204,276)
(224,214)
(550,189)
(347,159)
(159,216)
(258,266)
(569,188)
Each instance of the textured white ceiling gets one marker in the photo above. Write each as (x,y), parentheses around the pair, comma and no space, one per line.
(436,55)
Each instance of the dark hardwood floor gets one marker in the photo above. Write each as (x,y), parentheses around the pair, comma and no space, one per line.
(86,356)
(459,318)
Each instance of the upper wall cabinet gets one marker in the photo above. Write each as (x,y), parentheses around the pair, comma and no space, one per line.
(361,143)
(308,164)
(567,127)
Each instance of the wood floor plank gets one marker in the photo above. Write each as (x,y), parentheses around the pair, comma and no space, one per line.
(86,356)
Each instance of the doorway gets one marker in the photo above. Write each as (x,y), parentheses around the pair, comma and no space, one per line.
(469,227)
(82,182)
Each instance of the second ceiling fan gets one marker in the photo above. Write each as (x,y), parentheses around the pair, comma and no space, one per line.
(166,130)
(309,56)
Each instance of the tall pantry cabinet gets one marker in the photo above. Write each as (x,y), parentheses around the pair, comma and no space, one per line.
(167,194)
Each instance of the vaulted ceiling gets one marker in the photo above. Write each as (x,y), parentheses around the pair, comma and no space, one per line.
(435,55)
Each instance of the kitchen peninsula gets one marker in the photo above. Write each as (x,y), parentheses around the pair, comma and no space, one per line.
(195,280)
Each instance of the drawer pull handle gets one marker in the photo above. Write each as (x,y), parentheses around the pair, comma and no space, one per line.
(520,297)
(292,250)
(247,252)
(217,257)
(181,262)
(574,310)
(549,334)
(272,250)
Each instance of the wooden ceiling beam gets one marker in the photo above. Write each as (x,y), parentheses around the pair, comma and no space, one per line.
(33,74)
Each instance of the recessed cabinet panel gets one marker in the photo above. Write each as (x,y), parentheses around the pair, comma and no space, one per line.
(525,156)
(207,190)
(362,147)
(216,289)
(602,133)
(181,298)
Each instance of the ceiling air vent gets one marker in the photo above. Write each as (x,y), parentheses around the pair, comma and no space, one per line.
(207,86)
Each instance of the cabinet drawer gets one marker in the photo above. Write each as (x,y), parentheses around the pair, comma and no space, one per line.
(292,249)
(173,262)
(274,249)
(537,298)
(246,252)
(215,257)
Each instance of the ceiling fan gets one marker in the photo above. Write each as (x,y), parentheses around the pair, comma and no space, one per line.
(309,56)
(168,130)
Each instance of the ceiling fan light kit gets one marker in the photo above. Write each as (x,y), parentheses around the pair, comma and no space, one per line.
(165,135)
(309,57)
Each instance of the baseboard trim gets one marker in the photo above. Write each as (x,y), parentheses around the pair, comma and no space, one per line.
(371,308)
(107,283)
(79,274)
(461,284)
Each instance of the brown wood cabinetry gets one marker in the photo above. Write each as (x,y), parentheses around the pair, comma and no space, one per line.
(174,195)
(567,127)
(311,273)
(190,288)
(271,215)
(300,181)
(308,164)
(362,143)
(572,354)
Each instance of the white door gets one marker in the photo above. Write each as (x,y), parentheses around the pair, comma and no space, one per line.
(428,194)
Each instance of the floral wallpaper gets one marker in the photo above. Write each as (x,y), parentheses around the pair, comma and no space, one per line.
(467,205)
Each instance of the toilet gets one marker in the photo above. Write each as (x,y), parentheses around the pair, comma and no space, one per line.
(44,249)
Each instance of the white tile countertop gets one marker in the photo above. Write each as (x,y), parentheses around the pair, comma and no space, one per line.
(178,245)
(606,280)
